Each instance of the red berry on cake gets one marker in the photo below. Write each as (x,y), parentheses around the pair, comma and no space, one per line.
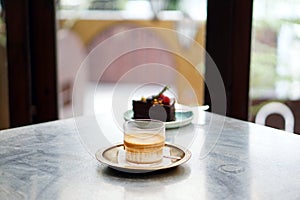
(166,100)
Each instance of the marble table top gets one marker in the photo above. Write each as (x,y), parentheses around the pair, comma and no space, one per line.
(231,159)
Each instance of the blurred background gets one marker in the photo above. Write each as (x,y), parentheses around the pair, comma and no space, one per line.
(274,73)
(96,21)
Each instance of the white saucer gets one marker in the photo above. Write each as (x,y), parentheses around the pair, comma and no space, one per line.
(110,157)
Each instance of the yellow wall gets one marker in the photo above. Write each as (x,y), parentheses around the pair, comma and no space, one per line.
(188,61)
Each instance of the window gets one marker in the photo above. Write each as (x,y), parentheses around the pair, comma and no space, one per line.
(95,21)
(275,70)
(227,33)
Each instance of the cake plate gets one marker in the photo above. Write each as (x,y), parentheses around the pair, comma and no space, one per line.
(183,118)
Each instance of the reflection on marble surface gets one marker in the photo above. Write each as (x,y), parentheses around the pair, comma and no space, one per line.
(244,161)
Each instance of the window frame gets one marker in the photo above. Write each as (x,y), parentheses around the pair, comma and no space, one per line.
(228,42)
(31,59)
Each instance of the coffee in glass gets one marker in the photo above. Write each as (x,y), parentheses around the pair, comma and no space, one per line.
(144,141)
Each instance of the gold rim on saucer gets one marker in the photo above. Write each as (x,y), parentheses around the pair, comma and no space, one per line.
(111,157)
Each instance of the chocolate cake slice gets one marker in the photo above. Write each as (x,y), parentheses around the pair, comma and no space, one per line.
(159,107)
(145,110)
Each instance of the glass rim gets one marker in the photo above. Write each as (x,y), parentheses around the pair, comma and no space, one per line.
(157,124)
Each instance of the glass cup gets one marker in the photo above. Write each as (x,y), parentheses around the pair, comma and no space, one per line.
(144,140)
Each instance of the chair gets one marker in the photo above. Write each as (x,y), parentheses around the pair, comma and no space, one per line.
(276,108)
